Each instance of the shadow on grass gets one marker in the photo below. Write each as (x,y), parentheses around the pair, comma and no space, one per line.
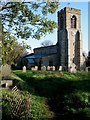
(52,87)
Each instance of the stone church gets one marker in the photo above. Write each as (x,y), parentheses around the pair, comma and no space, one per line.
(68,51)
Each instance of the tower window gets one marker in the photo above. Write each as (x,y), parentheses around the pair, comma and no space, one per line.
(73,21)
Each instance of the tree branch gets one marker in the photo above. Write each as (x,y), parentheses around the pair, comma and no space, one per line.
(3,8)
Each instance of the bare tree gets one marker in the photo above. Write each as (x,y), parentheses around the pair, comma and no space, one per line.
(46,43)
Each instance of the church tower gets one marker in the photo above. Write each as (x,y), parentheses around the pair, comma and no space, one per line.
(70,39)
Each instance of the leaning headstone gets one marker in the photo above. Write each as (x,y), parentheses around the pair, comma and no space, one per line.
(24,68)
(5,71)
(43,68)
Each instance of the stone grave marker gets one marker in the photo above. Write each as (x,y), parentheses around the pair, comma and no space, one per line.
(43,68)
(48,67)
(60,68)
(72,68)
(53,68)
(34,68)
(6,83)
(86,69)
(5,71)
(24,68)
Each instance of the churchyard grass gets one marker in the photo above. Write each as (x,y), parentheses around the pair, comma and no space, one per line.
(56,94)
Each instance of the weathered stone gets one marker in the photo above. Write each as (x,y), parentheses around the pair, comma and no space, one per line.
(34,68)
(60,68)
(5,71)
(6,83)
(86,69)
(68,52)
(24,68)
(52,68)
(43,68)
(72,68)
(48,67)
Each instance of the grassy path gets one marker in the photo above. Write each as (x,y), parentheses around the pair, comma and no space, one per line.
(55,93)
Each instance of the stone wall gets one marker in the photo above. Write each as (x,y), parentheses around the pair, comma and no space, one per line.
(69,39)
(46,50)
(50,58)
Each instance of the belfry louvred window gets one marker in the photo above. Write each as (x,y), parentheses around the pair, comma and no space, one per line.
(73,21)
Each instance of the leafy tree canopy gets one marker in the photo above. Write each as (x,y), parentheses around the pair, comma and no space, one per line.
(28,19)
(11,49)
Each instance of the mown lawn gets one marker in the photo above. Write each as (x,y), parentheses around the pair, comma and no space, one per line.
(56,94)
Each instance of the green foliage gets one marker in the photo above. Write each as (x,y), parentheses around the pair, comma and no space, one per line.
(28,19)
(66,95)
(40,109)
(16,105)
(11,49)
(74,105)
(39,106)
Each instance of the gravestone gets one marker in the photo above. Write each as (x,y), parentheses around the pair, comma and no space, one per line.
(34,68)
(53,68)
(48,67)
(43,68)
(86,69)
(72,68)
(6,83)
(5,71)
(24,68)
(60,68)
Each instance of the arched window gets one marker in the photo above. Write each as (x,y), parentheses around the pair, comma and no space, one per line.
(73,21)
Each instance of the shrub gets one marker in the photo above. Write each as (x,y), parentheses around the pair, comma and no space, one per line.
(74,105)
(15,105)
